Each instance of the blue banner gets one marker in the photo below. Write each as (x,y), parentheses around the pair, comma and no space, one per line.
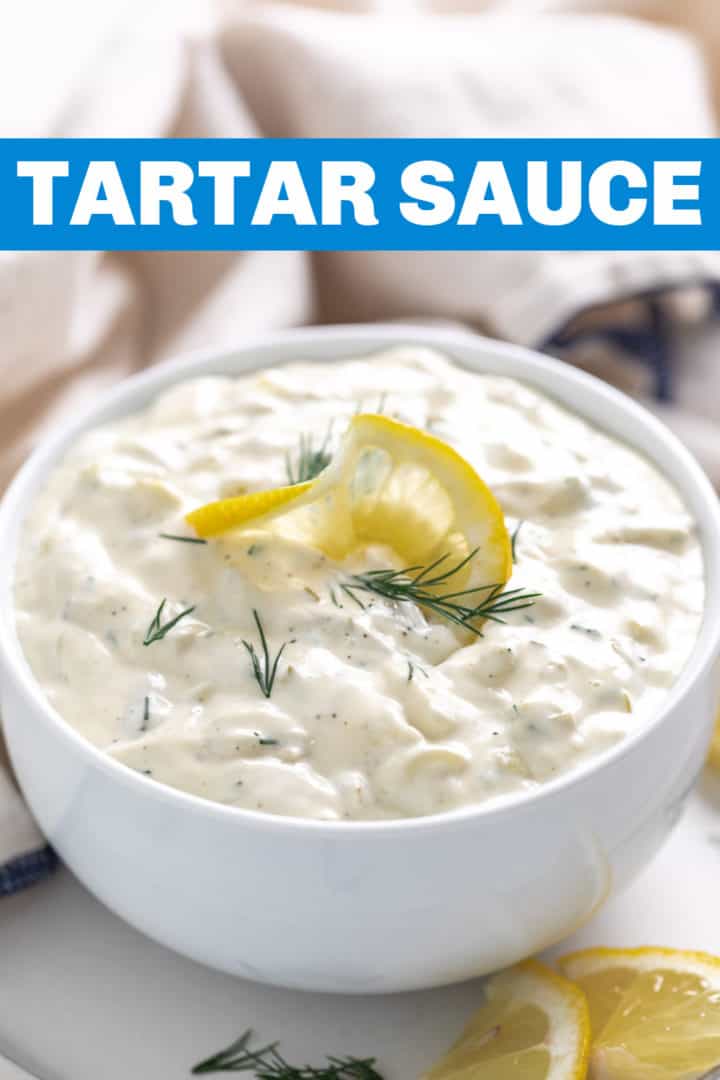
(359,194)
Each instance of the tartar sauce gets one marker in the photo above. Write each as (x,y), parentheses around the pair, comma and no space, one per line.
(384,712)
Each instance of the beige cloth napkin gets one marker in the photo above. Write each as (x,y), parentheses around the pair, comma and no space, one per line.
(71,324)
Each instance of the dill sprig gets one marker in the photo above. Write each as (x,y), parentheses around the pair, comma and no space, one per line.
(182,539)
(264,669)
(157,630)
(420,585)
(268,1064)
(311,460)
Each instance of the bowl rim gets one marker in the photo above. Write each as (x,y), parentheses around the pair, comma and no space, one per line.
(545,373)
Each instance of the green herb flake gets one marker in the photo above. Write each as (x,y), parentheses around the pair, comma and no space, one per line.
(347,588)
(182,539)
(412,668)
(586,630)
(514,539)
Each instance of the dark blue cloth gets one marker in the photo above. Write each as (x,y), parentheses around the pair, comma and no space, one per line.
(26,870)
(651,344)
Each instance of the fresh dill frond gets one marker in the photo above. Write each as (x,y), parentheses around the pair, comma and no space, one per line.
(268,1064)
(311,460)
(182,539)
(157,630)
(264,669)
(420,585)
(513,540)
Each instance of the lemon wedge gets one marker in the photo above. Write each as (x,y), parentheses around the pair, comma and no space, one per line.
(534,1025)
(654,1013)
(388,484)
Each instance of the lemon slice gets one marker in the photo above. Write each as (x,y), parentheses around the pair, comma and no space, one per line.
(654,1013)
(534,1025)
(714,754)
(219,517)
(388,484)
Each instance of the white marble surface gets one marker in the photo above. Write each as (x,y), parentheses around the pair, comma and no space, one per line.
(84,997)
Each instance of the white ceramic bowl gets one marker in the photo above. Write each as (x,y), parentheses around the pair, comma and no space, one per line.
(364,906)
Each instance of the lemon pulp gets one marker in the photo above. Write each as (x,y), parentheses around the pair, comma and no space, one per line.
(654,1013)
(534,1025)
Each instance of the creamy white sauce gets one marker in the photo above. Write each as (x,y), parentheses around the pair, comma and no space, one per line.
(347,733)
